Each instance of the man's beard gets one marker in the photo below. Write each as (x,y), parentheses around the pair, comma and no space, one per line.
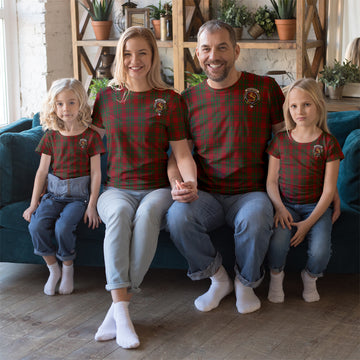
(219,77)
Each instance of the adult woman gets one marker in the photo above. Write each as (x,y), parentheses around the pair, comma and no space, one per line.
(140,117)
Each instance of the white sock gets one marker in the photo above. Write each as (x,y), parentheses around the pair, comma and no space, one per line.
(107,330)
(67,280)
(221,285)
(276,292)
(54,277)
(125,333)
(246,300)
(310,293)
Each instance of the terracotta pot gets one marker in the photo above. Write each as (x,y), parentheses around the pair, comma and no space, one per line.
(238,32)
(335,93)
(156,27)
(286,28)
(255,31)
(102,29)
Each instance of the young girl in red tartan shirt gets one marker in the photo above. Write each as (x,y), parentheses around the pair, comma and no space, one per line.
(303,169)
(73,151)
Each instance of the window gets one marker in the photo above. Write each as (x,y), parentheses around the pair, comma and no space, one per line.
(9,80)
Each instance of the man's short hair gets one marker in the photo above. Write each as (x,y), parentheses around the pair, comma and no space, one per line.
(216,25)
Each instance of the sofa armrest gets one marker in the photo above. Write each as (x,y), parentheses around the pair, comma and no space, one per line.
(18,164)
(17,126)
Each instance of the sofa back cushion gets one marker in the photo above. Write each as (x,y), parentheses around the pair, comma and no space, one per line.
(18,164)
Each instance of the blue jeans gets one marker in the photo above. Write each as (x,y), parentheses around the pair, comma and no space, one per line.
(251,217)
(133,220)
(319,240)
(59,216)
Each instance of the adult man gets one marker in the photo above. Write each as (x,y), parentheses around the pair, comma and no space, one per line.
(231,117)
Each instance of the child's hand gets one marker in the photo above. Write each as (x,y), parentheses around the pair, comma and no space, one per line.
(28,212)
(283,217)
(302,229)
(93,217)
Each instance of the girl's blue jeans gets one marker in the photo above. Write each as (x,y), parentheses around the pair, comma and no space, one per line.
(251,217)
(59,216)
(318,237)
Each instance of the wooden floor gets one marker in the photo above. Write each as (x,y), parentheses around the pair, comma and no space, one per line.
(36,326)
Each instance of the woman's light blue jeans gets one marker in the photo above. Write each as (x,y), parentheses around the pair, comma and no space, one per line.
(319,241)
(133,219)
(251,217)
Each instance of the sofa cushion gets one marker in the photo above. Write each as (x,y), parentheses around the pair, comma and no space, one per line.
(36,120)
(342,123)
(18,164)
(349,172)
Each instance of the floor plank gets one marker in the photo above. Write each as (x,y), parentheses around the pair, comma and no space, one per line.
(35,326)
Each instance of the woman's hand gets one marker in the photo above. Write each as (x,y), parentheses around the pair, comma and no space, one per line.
(28,212)
(184,192)
(93,217)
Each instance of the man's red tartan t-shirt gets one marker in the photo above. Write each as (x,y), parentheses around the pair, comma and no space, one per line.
(302,165)
(138,131)
(230,129)
(70,155)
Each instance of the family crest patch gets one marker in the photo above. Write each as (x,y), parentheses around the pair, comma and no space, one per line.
(83,143)
(160,106)
(318,150)
(251,96)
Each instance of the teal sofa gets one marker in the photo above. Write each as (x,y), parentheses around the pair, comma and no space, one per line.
(19,162)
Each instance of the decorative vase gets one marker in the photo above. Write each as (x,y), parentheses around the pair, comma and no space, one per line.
(335,93)
(165,28)
(255,31)
(238,32)
(102,29)
(156,27)
(286,28)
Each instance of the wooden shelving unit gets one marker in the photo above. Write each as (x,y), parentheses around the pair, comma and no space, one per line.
(188,15)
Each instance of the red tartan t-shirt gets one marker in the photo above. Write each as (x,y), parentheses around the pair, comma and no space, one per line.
(302,165)
(138,131)
(70,155)
(230,129)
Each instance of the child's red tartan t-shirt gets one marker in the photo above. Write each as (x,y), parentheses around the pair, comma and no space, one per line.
(302,165)
(70,155)
(230,129)
(138,131)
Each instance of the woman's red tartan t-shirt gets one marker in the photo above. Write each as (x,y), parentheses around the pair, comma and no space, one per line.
(70,155)
(230,129)
(138,131)
(302,165)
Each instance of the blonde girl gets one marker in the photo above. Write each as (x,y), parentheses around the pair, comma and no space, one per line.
(301,183)
(141,117)
(72,150)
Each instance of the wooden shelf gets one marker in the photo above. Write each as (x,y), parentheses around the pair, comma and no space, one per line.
(345,104)
(188,15)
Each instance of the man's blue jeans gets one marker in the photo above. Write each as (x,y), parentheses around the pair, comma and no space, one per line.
(319,240)
(251,217)
(60,217)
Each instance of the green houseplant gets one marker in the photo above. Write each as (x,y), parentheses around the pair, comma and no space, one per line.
(97,85)
(99,11)
(193,79)
(338,75)
(264,22)
(235,15)
(285,18)
(156,12)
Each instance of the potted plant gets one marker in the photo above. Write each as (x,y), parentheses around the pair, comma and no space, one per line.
(97,85)
(338,75)
(264,22)
(99,11)
(235,15)
(155,14)
(194,79)
(285,18)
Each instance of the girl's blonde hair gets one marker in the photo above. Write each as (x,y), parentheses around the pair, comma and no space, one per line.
(311,87)
(49,119)
(153,77)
